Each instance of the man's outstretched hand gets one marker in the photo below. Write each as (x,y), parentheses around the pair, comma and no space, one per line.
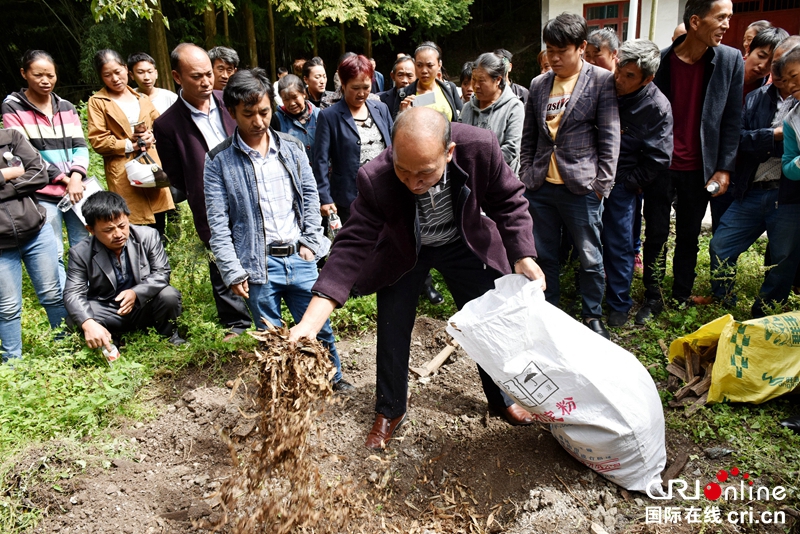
(318,311)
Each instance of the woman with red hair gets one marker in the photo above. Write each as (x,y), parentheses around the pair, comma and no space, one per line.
(349,134)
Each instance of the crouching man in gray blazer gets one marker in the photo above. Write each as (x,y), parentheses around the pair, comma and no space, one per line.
(118,279)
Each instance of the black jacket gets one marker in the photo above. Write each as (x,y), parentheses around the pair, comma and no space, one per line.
(21,217)
(645,118)
(392,99)
(450,93)
(90,275)
(722,100)
(757,144)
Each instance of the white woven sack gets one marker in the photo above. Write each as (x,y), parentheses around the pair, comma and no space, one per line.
(601,402)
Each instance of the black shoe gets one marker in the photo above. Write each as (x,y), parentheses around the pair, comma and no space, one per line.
(649,309)
(597,326)
(343,386)
(617,319)
(432,295)
(792,423)
(176,339)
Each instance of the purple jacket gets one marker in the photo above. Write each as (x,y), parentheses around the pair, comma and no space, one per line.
(380,241)
(183,154)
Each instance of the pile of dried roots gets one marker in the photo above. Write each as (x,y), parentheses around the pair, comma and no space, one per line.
(277,487)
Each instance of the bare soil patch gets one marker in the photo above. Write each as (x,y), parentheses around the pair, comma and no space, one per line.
(453,467)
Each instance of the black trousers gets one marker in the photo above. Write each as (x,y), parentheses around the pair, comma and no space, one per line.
(467,278)
(231,309)
(160,312)
(689,186)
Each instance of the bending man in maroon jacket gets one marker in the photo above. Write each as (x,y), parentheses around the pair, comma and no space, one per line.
(419,207)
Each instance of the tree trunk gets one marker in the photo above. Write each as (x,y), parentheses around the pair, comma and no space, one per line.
(225,29)
(210,23)
(367,42)
(314,40)
(250,28)
(158,48)
(342,45)
(271,20)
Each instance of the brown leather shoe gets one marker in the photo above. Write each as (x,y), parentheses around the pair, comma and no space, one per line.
(382,431)
(516,415)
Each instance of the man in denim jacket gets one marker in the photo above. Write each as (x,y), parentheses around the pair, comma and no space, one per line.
(263,211)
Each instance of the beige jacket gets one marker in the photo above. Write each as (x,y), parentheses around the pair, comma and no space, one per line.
(108,130)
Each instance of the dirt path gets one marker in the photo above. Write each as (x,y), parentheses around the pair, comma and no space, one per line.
(453,467)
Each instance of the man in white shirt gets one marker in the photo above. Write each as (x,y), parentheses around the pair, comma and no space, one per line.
(143,69)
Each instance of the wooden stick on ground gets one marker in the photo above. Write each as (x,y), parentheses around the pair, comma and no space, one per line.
(437,361)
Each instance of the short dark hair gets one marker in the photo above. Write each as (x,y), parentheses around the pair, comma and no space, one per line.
(401,59)
(138,57)
(769,38)
(466,72)
(697,7)
(104,206)
(564,30)
(248,86)
(32,56)
(225,54)
(310,64)
(282,70)
(106,55)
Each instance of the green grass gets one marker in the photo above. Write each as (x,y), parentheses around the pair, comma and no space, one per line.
(760,444)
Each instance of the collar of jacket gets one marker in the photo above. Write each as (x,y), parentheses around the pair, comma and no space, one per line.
(275,136)
(22,99)
(663,78)
(343,109)
(100,255)
(636,96)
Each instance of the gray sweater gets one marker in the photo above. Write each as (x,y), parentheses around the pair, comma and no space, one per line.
(505,118)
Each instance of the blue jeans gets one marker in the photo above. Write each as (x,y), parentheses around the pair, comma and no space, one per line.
(41,260)
(618,247)
(290,279)
(740,226)
(76,232)
(551,206)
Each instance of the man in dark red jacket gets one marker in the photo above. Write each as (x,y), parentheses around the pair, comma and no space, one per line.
(419,206)
(196,123)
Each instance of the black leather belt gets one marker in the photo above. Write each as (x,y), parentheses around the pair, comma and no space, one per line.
(766,186)
(282,251)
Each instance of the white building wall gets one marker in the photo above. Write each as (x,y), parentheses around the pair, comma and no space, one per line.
(668,15)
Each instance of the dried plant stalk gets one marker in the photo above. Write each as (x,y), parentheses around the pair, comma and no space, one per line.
(277,486)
